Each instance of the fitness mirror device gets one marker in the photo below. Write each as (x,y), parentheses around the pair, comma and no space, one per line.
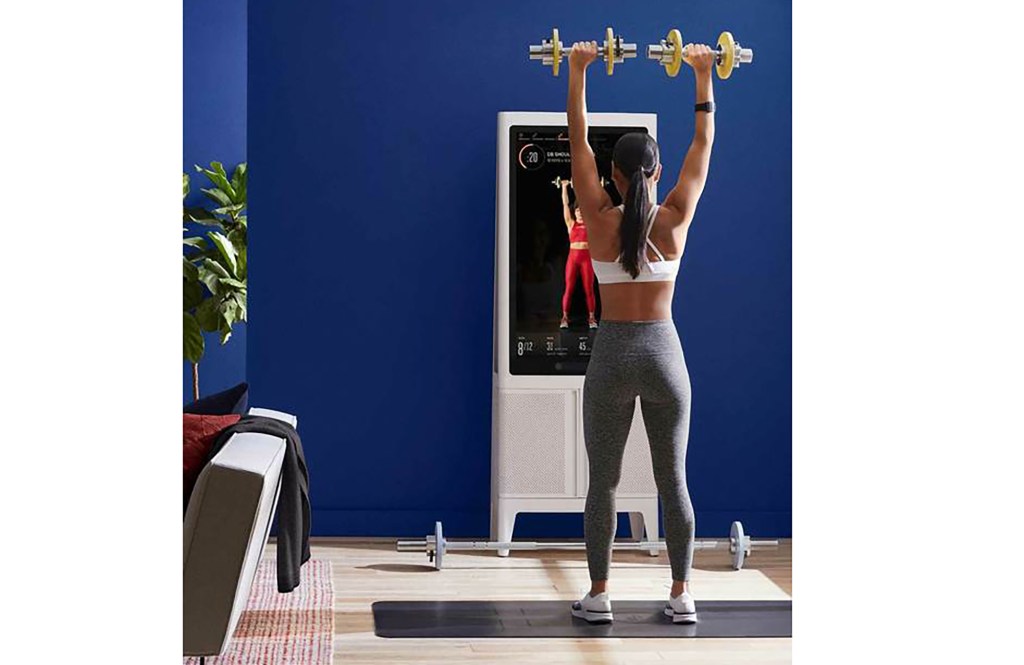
(538,457)
(539,251)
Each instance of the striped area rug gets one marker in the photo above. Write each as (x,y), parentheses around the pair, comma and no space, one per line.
(294,628)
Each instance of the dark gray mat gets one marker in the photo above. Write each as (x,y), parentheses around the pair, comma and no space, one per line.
(551,618)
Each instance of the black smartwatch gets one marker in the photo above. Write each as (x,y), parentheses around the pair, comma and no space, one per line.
(707,107)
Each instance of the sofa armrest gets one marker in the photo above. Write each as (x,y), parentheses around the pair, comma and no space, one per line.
(271,413)
(224,532)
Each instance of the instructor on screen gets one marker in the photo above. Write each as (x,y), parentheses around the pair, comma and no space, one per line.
(577,265)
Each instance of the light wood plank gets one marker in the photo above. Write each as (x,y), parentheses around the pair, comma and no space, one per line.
(367,571)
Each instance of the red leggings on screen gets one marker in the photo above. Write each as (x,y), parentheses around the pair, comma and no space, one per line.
(578,265)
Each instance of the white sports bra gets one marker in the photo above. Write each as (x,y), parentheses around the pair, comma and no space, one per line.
(663,270)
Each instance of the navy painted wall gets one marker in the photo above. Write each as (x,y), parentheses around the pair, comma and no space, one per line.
(372,200)
(214,130)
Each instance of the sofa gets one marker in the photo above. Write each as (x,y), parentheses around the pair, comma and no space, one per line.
(227,523)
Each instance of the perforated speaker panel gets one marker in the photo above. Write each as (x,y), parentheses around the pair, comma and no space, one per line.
(533,433)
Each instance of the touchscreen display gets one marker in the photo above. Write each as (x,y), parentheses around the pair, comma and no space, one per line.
(556,307)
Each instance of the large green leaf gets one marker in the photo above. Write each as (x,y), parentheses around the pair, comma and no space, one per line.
(192,292)
(230,211)
(198,243)
(228,318)
(210,273)
(229,313)
(240,298)
(201,216)
(233,283)
(190,271)
(219,177)
(214,267)
(208,314)
(217,196)
(239,180)
(240,175)
(210,279)
(184,184)
(239,238)
(193,339)
(243,262)
(226,249)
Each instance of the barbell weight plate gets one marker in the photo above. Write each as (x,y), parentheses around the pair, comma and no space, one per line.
(737,545)
(609,51)
(675,38)
(439,546)
(556,51)
(726,61)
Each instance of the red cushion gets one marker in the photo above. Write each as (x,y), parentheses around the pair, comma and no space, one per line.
(199,433)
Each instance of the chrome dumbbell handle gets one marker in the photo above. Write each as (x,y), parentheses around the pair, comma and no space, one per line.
(545,51)
(664,53)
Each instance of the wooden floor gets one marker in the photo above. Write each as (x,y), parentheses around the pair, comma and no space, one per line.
(365,572)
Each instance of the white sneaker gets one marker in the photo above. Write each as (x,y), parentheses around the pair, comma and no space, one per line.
(595,609)
(682,609)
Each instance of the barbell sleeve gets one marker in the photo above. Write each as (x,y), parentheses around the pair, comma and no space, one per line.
(764,543)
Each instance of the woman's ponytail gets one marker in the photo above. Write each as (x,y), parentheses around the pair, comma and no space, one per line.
(636,157)
(632,232)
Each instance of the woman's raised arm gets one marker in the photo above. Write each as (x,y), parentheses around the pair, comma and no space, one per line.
(591,196)
(566,211)
(684,196)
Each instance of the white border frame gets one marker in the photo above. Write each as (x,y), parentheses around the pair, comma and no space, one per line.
(504,379)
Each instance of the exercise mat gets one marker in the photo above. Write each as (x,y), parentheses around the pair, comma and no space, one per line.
(551,618)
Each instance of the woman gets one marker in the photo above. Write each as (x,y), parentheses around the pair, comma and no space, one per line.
(636,249)
(578,264)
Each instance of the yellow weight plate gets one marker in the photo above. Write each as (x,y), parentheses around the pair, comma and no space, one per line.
(727,45)
(609,51)
(556,51)
(675,38)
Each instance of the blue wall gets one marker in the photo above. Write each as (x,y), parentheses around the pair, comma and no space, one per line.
(214,130)
(372,200)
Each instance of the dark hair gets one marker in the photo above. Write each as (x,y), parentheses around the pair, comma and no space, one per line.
(636,155)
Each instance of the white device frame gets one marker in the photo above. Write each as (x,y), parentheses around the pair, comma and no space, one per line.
(642,506)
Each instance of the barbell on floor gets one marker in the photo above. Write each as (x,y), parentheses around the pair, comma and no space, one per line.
(613,51)
(670,53)
(436,545)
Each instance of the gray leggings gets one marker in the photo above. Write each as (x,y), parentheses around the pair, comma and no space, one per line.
(630,359)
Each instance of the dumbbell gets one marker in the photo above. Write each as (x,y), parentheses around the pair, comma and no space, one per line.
(557,182)
(613,51)
(670,53)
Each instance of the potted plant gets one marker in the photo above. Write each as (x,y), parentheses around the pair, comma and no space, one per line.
(214,259)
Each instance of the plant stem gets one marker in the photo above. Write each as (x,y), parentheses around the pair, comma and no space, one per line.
(195,381)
